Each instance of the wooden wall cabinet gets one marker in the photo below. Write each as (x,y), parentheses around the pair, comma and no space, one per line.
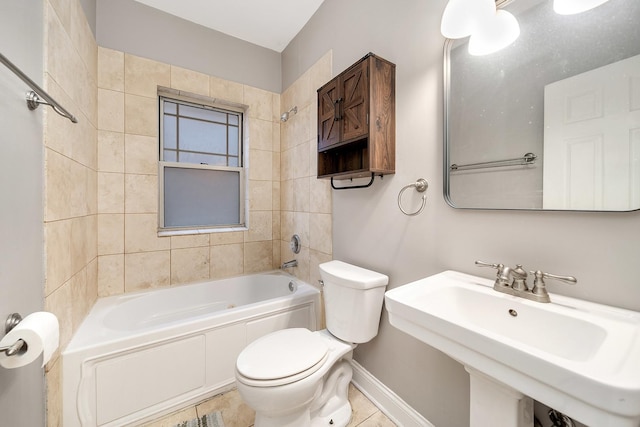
(356,121)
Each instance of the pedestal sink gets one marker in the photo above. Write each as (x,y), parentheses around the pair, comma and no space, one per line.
(580,358)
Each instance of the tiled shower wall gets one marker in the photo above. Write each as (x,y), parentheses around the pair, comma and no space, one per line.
(70,215)
(131,256)
(305,200)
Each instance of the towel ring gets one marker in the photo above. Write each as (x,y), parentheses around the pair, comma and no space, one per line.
(421,186)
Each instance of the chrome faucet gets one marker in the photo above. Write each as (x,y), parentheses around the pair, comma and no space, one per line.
(513,281)
(289,264)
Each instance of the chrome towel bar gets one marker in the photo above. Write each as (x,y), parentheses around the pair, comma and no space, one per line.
(527,159)
(37,95)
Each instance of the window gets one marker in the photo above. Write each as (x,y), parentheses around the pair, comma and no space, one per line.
(201,172)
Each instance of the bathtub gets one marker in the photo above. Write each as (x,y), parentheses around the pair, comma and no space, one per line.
(139,356)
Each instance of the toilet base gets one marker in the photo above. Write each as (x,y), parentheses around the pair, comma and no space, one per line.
(339,418)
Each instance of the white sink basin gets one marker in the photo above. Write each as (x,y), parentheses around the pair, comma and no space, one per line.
(580,358)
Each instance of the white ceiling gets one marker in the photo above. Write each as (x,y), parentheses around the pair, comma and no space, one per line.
(268,23)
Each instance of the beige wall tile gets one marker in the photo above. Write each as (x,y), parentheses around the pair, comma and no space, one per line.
(226,260)
(226,238)
(141,115)
(141,234)
(141,154)
(301,161)
(275,106)
(189,81)
(260,134)
(110,151)
(320,199)
(286,225)
(276,166)
(276,225)
(286,195)
(58,185)
(226,90)
(320,233)
(147,270)
(57,246)
(141,193)
(275,198)
(110,275)
(301,197)
(190,241)
(260,223)
(189,265)
(110,192)
(110,110)
(258,256)
(260,195)
(58,303)
(142,76)
(110,69)
(301,227)
(315,259)
(80,245)
(260,103)
(286,164)
(260,165)
(277,259)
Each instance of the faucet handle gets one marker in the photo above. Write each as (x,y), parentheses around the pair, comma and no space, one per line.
(487,264)
(539,287)
(502,278)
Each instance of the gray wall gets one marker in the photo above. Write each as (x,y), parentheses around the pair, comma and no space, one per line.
(21,164)
(132,27)
(369,230)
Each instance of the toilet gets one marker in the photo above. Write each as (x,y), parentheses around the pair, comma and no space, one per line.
(298,378)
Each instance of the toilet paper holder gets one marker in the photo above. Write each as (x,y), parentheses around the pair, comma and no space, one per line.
(11,322)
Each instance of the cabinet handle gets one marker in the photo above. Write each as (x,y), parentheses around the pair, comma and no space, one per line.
(336,110)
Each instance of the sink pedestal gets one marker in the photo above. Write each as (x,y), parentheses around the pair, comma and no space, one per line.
(497,405)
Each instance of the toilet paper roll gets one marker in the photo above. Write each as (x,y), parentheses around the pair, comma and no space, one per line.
(41,333)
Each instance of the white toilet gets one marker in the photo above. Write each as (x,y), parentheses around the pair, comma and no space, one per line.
(298,378)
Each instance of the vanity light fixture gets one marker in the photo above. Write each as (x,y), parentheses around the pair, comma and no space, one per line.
(498,33)
(490,29)
(461,18)
(571,7)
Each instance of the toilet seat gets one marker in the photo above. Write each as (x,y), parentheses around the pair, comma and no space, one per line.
(282,357)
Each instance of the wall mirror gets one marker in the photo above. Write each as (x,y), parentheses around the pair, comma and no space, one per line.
(552,121)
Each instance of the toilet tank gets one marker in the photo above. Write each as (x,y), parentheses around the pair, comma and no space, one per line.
(352,300)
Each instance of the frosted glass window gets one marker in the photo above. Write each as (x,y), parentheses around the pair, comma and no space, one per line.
(201,197)
(201,172)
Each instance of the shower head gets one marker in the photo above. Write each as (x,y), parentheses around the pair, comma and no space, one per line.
(285,116)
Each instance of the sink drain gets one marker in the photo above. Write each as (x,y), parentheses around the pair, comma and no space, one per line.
(513,313)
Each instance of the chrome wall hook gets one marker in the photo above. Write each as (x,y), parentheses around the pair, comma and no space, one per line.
(421,186)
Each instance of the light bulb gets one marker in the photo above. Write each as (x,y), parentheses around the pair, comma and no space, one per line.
(496,34)
(571,7)
(461,17)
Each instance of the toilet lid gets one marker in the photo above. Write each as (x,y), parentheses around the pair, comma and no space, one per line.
(282,354)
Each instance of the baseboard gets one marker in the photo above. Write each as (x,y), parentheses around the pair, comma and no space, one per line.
(396,409)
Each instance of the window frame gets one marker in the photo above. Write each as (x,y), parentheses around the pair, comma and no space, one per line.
(199,101)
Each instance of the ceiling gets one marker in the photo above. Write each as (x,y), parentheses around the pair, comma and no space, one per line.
(267,23)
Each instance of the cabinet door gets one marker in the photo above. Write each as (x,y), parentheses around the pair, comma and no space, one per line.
(355,102)
(328,128)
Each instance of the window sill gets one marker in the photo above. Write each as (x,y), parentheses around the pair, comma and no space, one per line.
(194,231)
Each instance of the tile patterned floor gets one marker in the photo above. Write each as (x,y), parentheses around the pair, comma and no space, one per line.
(236,414)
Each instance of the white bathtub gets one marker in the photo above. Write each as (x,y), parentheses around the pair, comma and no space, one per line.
(139,356)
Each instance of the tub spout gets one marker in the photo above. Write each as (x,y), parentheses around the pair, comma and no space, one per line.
(289,264)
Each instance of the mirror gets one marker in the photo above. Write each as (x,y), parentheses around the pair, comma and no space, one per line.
(552,121)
